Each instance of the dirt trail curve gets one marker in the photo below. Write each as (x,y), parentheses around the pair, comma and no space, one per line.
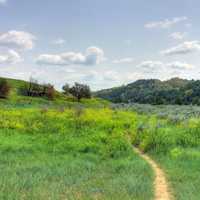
(160,183)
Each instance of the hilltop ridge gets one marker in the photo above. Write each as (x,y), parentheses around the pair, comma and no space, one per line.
(154,91)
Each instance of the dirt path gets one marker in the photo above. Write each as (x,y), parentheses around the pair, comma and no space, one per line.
(160,183)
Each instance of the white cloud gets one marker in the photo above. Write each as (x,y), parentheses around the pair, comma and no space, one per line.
(11,57)
(177,35)
(59,41)
(180,65)
(150,65)
(111,76)
(184,48)
(123,60)
(167,23)
(158,65)
(92,56)
(19,40)
(102,76)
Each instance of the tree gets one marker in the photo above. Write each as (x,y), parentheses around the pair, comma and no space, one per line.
(31,88)
(66,88)
(80,91)
(49,91)
(34,89)
(4,88)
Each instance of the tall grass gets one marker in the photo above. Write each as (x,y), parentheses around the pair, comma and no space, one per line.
(173,139)
(70,153)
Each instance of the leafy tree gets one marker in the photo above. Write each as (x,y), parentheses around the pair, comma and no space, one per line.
(49,91)
(4,88)
(153,91)
(34,89)
(31,88)
(66,88)
(80,91)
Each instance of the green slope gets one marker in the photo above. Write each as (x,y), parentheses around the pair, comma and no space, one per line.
(61,100)
(154,91)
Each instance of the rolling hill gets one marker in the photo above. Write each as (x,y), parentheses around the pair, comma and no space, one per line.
(154,91)
(17,99)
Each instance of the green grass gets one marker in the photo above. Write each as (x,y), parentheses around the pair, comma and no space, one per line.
(16,100)
(77,153)
(182,169)
(175,145)
(62,149)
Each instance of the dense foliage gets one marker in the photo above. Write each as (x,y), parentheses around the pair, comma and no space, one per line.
(4,88)
(79,91)
(174,91)
(34,89)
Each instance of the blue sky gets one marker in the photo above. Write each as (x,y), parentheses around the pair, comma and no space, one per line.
(102,43)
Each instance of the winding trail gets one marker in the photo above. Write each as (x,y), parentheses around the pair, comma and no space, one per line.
(160,183)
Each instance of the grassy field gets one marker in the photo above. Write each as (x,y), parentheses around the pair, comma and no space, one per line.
(173,140)
(77,153)
(62,149)
(182,168)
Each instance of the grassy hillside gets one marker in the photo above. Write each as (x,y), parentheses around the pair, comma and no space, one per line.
(173,91)
(61,100)
(86,153)
(73,154)
(171,136)
(63,149)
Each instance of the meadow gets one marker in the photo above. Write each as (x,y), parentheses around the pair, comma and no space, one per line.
(171,135)
(70,153)
(63,149)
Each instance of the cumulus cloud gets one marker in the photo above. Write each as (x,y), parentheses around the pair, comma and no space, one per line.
(177,36)
(167,23)
(150,64)
(92,56)
(123,60)
(158,65)
(184,48)
(59,41)
(11,57)
(180,65)
(111,76)
(19,40)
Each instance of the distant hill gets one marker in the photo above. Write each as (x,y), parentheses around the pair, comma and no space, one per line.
(154,91)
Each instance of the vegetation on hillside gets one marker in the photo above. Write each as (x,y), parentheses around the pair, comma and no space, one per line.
(174,91)
(75,153)
(171,135)
(48,145)
(30,92)
(4,88)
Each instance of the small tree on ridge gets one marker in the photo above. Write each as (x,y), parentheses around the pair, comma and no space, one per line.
(80,91)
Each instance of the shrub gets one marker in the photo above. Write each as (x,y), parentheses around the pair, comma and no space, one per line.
(80,91)
(34,89)
(49,91)
(66,89)
(4,88)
